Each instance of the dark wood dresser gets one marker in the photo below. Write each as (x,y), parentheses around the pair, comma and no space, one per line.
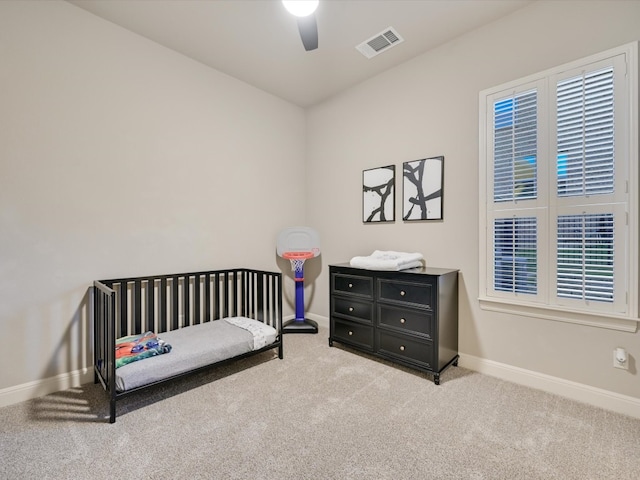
(409,317)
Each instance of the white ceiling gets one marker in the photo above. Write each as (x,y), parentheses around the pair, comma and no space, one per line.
(258,42)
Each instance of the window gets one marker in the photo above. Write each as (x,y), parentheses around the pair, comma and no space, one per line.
(558,181)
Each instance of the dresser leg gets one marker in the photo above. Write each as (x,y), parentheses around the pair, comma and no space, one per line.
(330,343)
(436,378)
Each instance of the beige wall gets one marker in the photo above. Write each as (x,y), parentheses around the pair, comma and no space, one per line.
(120,157)
(429,107)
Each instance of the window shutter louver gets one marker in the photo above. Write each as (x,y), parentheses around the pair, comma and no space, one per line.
(585,253)
(585,134)
(515,148)
(515,255)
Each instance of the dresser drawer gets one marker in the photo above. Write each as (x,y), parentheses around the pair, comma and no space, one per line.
(404,320)
(353,333)
(407,349)
(345,306)
(353,285)
(405,292)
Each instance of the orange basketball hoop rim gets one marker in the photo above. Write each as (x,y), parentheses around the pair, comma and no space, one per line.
(297,255)
(297,261)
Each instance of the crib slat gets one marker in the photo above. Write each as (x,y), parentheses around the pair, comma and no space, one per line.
(216,313)
(185,301)
(243,297)
(196,299)
(105,337)
(254,292)
(124,310)
(225,296)
(137,304)
(274,301)
(260,299)
(207,298)
(162,311)
(255,311)
(150,304)
(247,294)
(235,276)
(174,303)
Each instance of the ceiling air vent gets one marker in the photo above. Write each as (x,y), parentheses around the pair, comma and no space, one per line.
(379,43)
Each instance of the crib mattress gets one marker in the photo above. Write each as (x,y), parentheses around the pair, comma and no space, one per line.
(192,347)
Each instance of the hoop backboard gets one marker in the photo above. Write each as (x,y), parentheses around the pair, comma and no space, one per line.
(298,239)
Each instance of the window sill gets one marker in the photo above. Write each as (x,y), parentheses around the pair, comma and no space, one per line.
(596,319)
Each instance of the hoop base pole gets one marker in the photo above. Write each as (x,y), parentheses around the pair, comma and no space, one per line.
(300,325)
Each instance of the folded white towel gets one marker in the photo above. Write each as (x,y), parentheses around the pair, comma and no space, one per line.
(388,260)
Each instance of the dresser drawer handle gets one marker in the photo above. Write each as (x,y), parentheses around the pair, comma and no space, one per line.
(351,309)
(350,332)
(402,320)
(402,293)
(402,348)
(351,285)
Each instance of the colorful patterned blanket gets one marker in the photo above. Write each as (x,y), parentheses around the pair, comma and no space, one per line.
(138,347)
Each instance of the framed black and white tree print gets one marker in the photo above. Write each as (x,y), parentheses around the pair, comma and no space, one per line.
(422,189)
(378,194)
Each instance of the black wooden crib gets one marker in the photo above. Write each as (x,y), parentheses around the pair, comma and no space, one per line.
(206,318)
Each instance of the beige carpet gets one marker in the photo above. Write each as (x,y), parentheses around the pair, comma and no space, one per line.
(321,413)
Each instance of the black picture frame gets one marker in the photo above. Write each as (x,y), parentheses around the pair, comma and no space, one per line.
(379,194)
(422,189)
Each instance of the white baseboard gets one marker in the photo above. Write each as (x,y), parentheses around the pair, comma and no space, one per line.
(576,391)
(38,388)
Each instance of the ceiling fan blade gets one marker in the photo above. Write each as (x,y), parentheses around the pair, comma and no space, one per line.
(308,32)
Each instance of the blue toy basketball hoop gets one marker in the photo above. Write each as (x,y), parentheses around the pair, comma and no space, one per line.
(298,244)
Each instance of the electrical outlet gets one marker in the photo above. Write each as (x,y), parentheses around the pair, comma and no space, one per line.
(621,359)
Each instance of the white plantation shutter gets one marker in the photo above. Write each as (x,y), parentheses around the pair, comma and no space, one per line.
(515,129)
(585,134)
(585,257)
(515,255)
(559,187)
